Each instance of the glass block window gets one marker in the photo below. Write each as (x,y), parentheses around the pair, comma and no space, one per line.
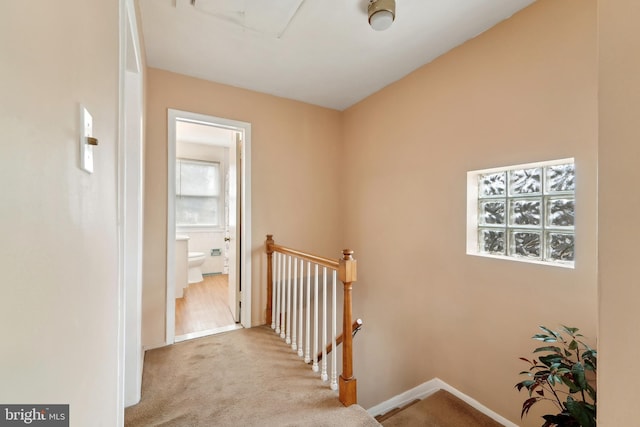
(525,212)
(197,193)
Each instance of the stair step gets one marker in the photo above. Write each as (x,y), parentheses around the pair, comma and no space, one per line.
(441,409)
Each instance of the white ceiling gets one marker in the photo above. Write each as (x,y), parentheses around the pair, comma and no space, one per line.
(318,51)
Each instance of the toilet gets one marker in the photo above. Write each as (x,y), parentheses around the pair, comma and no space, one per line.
(195,261)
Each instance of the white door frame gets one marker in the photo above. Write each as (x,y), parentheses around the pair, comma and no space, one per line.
(244,197)
(130,209)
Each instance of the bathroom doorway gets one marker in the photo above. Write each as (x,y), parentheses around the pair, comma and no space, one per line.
(208,217)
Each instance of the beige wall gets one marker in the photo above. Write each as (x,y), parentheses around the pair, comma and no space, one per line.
(295,178)
(515,94)
(59,257)
(524,91)
(619,153)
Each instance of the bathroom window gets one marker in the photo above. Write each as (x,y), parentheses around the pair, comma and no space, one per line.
(197,193)
(523,212)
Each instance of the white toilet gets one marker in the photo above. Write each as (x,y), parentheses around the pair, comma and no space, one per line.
(195,261)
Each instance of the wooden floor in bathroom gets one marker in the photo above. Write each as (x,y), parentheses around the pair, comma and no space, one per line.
(204,306)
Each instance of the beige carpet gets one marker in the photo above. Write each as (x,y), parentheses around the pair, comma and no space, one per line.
(441,409)
(247,377)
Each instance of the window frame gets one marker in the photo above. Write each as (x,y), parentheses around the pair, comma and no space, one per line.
(474,226)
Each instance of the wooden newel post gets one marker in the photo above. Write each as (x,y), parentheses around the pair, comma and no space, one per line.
(347,385)
(269,311)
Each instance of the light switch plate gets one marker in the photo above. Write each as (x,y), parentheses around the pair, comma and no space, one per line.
(86,150)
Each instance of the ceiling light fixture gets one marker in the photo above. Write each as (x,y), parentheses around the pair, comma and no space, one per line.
(381,14)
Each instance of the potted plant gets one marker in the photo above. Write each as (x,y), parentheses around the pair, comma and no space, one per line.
(564,375)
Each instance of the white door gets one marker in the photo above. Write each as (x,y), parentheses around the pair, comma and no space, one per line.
(233,225)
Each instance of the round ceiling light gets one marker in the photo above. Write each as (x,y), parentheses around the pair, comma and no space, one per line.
(381,14)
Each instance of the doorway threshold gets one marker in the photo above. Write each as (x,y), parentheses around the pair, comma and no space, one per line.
(207,332)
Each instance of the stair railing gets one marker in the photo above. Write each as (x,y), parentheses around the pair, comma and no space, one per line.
(290,293)
(355,328)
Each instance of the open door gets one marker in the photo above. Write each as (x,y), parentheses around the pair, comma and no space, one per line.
(232,233)
(237,209)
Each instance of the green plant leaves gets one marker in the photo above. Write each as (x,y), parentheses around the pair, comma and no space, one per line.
(571,331)
(563,419)
(578,376)
(590,358)
(527,405)
(525,384)
(564,374)
(550,332)
(545,338)
(583,413)
(547,348)
(552,360)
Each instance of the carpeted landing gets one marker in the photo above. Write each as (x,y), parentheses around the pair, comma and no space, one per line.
(247,377)
(441,409)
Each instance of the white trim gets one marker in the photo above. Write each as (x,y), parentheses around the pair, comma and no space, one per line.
(122,40)
(130,209)
(523,259)
(198,229)
(170,305)
(245,224)
(402,399)
(207,332)
(428,388)
(245,219)
(525,166)
(475,404)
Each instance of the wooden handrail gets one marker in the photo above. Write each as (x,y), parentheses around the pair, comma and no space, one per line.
(325,262)
(346,268)
(354,328)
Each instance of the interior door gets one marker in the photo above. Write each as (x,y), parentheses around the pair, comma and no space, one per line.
(233,226)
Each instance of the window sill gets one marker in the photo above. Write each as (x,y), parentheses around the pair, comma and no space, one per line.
(199,228)
(569,265)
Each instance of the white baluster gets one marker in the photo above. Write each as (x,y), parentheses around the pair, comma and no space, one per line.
(334,357)
(277,284)
(323,374)
(315,320)
(294,302)
(274,261)
(283,292)
(307,349)
(283,281)
(301,309)
(288,340)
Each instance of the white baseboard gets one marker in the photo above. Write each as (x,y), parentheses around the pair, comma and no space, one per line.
(419,392)
(428,388)
(200,334)
(475,404)
(153,346)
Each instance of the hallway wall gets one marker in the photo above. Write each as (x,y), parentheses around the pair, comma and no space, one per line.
(619,200)
(524,91)
(59,257)
(512,95)
(295,181)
